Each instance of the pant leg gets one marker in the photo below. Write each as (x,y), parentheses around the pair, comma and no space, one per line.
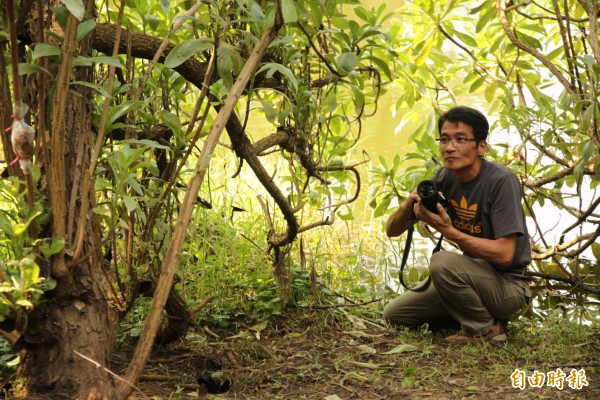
(413,309)
(473,292)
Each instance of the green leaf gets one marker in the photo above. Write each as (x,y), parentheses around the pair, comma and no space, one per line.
(382,207)
(166,6)
(467,39)
(225,55)
(19,229)
(89,61)
(259,327)
(183,51)
(288,10)
(15,361)
(55,247)
(359,99)
(45,50)
(271,68)
(93,86)
(270,112)
(172,121)
(24,303)
(61,14)
(30,272)
(27,69)
(596,250)
(382,65)
(485,17)
(75,7)
(153,21)
(346,62)
(120,110)
(130,203)
(147,142)
(369,365)
(84,28)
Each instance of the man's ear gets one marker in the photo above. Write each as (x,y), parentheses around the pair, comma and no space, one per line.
(482,148)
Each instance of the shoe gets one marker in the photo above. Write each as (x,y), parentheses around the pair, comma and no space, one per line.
(496,334)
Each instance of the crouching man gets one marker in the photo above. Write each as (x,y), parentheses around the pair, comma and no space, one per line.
(483,287)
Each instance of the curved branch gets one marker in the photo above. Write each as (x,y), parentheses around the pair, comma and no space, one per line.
(581,218)
(463,48)
(501,13)
(576,283)
(278,138)
(345,168)
(559,248)
(144,46)
(194,71)
(593,10)
(321,57)
(533,183)
(244,149)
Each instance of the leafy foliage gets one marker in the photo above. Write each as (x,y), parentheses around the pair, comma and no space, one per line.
(21,283)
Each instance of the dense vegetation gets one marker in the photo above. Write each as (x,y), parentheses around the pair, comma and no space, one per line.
(136,207)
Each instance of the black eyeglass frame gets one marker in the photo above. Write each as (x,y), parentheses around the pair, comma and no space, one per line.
(459,141)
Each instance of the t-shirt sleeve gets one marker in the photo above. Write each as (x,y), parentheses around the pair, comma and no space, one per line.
(507,213)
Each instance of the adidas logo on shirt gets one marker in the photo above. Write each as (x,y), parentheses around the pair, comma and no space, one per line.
(466,213)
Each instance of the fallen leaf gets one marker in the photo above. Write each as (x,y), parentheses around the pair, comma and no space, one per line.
(368,365)
(366,349)
(259,327)
(403,348)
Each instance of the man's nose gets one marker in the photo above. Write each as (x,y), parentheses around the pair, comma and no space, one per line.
(451,144)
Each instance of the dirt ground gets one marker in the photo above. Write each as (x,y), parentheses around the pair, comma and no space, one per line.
(332,357)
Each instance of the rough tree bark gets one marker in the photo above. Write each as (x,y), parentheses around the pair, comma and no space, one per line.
(69,336)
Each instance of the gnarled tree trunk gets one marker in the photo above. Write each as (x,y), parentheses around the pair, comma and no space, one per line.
(66,345)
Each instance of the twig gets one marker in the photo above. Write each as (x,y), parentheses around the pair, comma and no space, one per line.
(345,305)
(117,377)
(206,301)
(165,280)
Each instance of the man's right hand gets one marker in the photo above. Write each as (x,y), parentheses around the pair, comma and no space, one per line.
(400,219)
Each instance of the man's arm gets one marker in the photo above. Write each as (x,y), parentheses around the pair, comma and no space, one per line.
(500,251)
(400,219)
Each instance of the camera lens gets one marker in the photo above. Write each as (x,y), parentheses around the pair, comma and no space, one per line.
(426,189)
(429,195)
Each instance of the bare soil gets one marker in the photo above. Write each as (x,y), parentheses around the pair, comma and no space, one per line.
(338,356)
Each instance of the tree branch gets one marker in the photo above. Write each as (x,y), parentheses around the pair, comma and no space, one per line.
(593,10)
(501,12)
(576,283)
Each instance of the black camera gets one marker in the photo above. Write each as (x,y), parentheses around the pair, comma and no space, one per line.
(430,196)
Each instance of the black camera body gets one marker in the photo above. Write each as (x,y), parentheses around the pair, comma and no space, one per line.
(430,196)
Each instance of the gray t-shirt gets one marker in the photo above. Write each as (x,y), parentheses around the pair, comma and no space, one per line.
(488,207)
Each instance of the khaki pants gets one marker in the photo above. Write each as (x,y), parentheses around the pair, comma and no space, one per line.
(464,290)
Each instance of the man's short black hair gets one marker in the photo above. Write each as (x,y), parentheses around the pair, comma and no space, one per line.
(469,116)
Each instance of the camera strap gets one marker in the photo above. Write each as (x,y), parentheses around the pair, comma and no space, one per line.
(407,245)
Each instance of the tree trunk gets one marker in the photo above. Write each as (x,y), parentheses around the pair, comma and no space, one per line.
(66,345)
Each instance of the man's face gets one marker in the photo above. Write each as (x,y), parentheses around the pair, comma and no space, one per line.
(461,153)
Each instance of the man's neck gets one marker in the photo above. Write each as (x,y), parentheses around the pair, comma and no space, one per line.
(465,176)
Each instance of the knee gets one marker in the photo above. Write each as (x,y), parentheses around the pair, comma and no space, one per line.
(393,315)
(389,315)
(439,263)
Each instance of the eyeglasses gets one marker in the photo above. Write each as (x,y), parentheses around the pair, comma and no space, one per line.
(459,141)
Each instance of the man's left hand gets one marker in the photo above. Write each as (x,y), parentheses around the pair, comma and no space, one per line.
(441,221)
